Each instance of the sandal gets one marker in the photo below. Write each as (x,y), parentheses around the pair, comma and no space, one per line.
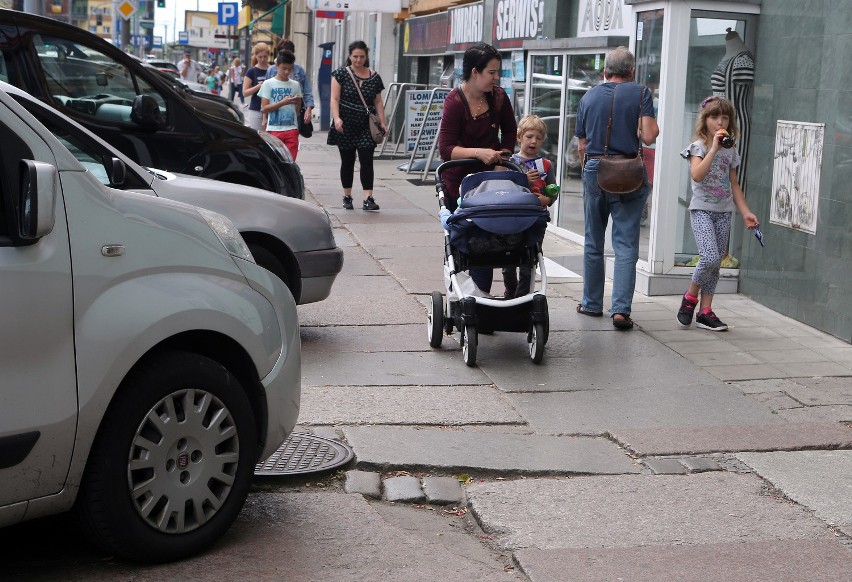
(624,323)
(584,311)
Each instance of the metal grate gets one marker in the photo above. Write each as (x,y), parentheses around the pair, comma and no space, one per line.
(305,453)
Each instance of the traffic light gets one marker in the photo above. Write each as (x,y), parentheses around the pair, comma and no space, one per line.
(161,3)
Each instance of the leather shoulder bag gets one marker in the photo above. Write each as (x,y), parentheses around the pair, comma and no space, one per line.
(373,121)
(621,174)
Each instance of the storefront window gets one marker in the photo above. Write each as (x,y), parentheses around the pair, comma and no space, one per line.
(706,49)
(649,47)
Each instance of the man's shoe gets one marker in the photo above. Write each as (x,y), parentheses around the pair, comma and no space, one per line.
(347,202)
(686,311)
(370,204)
(709,321)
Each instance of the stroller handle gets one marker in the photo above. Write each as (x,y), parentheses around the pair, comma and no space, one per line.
(439,185)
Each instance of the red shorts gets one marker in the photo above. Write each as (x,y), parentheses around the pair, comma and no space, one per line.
(290,139)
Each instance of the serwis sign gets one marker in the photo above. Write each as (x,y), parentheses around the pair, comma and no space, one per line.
(516,21)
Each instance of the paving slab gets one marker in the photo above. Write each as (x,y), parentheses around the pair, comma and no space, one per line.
(767,385)
(404,488)
(451,451)
(701,464)
(358,262)
(364,482)
(389,369)
(363,300)
(774,561)
(666,406)
(443,490)
(665,466)
(637,510)
(381,338)
(414,405)
(818,414)
(734,438)
(819,480)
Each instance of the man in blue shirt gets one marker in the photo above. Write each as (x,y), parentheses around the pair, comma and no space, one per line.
(632,109)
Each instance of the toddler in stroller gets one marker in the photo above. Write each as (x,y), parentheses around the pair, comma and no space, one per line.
(499,223)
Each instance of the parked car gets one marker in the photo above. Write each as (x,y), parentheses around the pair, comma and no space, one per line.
(202,98)
(292,238)
(161,64)
(147,362)
(135,109)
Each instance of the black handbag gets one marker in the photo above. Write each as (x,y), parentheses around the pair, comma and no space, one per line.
(305,129)
(621,174)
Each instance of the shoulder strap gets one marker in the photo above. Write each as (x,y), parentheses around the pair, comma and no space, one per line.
(357,88)
(638,129)
(609,123)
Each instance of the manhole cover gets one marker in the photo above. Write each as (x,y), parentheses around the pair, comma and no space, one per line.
(305,453)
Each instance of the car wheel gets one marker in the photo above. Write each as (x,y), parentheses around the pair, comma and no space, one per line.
(172,462)
(270,262)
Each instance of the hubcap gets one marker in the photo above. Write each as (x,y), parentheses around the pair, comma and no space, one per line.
(183,461)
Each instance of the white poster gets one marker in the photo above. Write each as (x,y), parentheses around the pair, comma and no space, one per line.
(420,114)
(796,173)
(605,18)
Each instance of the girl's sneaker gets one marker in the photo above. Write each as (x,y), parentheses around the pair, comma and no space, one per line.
(708,320)
(686,311)
(347,202)
(370,204)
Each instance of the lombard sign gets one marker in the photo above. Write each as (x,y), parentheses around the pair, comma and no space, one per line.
(604,18)
(516,21)
(465,26)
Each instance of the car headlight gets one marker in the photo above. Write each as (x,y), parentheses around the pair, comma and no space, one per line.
(278,146)
(228,234)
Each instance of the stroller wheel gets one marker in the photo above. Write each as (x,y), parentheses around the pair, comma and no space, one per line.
(435,320)
(536,342)
(469,342)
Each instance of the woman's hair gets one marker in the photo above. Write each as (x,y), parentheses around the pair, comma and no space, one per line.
(619,62)
(531,123)
(236,62)
(260,47)
(711,107)
(477,57)
(285,44)
(355,45)
(285,57)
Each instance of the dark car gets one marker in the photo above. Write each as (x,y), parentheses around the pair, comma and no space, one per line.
(135,109)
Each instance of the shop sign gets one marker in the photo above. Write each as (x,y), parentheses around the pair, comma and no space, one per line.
(426,35)
(465,26)
(604,18)
(516,21)
(419,114)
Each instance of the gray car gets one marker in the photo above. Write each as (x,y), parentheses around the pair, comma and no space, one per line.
(292,238)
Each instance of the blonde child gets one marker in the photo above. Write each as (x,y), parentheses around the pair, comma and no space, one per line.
(531,134)
(280,102)
(713,166)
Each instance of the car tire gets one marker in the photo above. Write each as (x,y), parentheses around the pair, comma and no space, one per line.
(172,462)
(270,262)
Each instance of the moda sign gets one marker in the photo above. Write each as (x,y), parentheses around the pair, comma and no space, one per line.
(516,21)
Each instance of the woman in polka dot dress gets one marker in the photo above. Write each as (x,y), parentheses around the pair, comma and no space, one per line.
(350,130)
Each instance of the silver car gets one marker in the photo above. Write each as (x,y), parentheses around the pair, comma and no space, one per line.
(292,238)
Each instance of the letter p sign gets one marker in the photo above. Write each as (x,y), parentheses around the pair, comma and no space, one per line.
(228,13)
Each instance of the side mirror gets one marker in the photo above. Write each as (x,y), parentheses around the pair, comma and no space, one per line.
(146,112)
(117,171)
(37,200)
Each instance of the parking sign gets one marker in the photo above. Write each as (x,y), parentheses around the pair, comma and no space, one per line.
(228,13)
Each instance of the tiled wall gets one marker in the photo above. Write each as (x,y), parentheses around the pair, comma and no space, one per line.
(803,72)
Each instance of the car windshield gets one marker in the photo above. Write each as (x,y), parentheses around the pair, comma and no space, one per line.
(90,82)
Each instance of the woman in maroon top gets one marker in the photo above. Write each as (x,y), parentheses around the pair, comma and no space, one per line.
(478,121)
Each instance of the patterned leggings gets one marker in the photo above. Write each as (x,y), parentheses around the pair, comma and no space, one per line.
(711,230)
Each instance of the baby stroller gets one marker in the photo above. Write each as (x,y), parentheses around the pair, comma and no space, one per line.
(499,223)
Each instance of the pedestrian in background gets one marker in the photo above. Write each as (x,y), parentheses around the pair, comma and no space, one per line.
(477,123)
(716,191)
(188,69)
(627,103)
(235,76)
(280,101)
(350,130)
(299,75)
(252,81)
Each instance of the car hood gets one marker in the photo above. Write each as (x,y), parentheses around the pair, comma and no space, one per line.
(301,225)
